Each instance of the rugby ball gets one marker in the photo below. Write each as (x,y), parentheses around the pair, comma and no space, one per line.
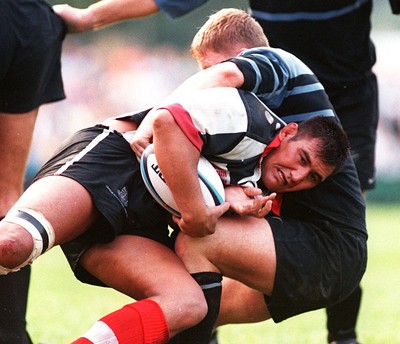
(210,182)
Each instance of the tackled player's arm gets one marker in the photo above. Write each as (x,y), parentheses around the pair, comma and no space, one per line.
(178,158)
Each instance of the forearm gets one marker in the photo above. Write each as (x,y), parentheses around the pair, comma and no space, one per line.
(106,12)
(177,159)
(103,13)
(225,74)
(144,134)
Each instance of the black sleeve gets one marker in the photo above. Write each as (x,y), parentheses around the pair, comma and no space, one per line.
(261,74)
(136,117)
(248,73)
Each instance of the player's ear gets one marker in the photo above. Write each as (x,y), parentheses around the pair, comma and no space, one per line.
(288,131)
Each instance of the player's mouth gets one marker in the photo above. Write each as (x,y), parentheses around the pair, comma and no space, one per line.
(282,176)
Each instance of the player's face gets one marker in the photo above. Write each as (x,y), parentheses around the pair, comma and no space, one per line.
(294,166)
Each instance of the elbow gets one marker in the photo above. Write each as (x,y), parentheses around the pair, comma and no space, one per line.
(231,75)
(162,119)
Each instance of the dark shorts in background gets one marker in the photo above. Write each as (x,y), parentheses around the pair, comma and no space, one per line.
(356,104)
(103,162)
(317,266)
(31,36)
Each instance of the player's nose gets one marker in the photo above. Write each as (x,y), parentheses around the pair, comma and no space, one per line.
(299,174)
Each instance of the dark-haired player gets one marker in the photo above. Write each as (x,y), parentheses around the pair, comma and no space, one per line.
(91,199)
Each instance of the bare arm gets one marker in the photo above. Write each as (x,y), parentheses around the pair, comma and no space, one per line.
(226,74)
(178,158)
(103,13)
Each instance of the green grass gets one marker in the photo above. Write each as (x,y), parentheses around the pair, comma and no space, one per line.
(61,308)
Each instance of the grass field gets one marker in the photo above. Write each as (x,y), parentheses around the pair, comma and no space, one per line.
(60,308)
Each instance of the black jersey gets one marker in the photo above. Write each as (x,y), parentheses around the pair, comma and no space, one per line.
(344,51)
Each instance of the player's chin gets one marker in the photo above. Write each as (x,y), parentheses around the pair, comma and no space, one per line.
(289,188)
(280,188)
(295,188)
(273,185)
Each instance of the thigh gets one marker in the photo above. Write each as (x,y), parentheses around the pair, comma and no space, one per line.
(241,248)
(318,265)
(65,203)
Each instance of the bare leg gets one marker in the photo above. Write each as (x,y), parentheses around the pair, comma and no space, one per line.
(144,269)
(62,201)
(241,248)
(16,133)
(15,140)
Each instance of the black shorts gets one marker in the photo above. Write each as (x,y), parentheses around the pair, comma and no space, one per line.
(317,266)
(356,104)
(103,162)
(31,36)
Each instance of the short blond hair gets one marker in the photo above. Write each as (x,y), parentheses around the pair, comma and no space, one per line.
(225,29)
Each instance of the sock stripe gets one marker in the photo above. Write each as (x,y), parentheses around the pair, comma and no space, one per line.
(100,330)
(211,285)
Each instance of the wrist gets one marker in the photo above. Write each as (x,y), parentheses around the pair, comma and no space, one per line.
(88,20)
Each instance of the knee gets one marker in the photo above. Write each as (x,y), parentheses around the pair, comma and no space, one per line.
(192,308)
(185,309)
(16,245)
(194,253)
(25,235)
(181,246)
(187,247)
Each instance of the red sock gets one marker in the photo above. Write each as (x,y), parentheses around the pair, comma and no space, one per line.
(142,322)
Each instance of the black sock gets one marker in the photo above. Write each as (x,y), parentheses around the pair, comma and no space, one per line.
(211,284)
(342,317)
(13,302)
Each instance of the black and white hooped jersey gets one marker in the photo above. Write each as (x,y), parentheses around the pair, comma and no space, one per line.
(231,128)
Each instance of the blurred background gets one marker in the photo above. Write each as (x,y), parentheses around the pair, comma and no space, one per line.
(133,65)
